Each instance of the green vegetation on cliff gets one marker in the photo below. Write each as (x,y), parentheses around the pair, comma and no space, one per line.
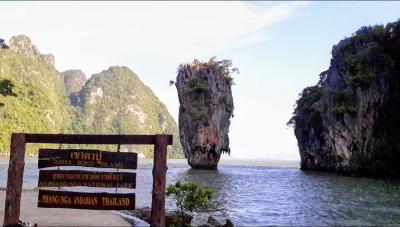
(348,122)
(40,104)
(114,101)
(6,89)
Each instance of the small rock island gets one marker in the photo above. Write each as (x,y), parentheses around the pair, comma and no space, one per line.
(350,121)
(206,106)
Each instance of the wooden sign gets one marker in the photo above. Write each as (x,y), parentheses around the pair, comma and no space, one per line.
(86,158)
(83,200)
(72,178)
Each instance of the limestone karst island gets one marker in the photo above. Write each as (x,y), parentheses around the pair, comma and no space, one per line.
(216,114)
(206,106)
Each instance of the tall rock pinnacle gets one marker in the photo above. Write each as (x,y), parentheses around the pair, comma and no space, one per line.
(206,106)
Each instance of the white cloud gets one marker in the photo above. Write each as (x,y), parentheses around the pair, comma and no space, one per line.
(153,38)
(94,35)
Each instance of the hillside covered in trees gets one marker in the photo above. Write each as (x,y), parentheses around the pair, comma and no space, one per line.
(114,101)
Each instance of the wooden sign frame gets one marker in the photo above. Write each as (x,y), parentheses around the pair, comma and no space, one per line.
(17,163)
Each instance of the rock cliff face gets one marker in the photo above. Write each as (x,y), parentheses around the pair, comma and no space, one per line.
(206,106)
(23,45)
(349,122)
(74,80)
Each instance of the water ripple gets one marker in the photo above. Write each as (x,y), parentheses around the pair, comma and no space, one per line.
(262,195)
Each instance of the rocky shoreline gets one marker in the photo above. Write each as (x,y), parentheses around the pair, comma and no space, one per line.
(172,217)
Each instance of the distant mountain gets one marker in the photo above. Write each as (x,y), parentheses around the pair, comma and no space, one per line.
(114,101)
(74,80)
(41,104)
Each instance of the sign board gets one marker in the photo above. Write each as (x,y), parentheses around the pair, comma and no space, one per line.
(86,158)
(83,200)
(72,178)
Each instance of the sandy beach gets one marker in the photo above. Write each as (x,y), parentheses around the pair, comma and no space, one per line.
(60,217)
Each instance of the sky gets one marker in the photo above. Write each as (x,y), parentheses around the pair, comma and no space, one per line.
(279,48)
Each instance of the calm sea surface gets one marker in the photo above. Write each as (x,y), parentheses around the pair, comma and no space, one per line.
(269,193)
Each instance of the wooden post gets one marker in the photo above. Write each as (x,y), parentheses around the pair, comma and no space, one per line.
(159,181)
(14,181)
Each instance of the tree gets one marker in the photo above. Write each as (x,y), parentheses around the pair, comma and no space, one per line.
(6,89)
(189,196)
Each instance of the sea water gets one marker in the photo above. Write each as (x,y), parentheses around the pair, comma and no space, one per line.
(266,193)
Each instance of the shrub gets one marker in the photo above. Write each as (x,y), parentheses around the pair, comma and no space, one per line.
(342,109)
(304,105)
(197,85)
(363,78)
(189,196)
(196,115)
(230,80)
(6,89)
